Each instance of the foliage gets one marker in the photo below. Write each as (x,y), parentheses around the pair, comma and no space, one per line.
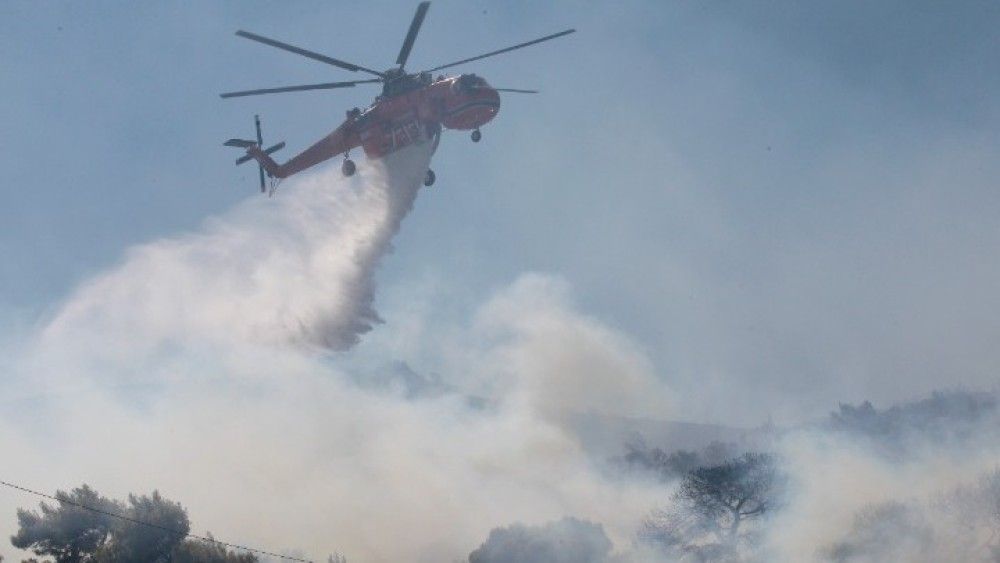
(69,533)
(565,541)
(719,509)
(946,417)
(66,532)
(731,492)
(962,524)
(194,551)
(883,532)
(673,465)
(135,542)
(706,519)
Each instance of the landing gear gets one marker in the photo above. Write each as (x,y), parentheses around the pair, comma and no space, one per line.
(348,168)
(476,136)
(429,178)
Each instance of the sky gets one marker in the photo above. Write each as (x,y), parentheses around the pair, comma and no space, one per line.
(797,201)
(714,212)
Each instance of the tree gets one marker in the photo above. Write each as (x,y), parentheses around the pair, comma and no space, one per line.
(946,417)
(673,465)
(706,520)
(722,496)
(149,529)
(195,551)
(654,460)
(165,526)
(961,524)
(972,511)
(66,532)
(891,531)
(568,540)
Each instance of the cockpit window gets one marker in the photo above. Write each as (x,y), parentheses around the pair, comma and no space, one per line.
(467,83)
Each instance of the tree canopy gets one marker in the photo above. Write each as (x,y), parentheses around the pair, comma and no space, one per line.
(727,494)
(711,506)
(66,532)
(567,540)
(148,528)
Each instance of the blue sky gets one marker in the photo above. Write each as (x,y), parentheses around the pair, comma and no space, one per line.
(799,200)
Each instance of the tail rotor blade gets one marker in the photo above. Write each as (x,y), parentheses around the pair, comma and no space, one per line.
(274,148)
(269,150)
(260,143)
(238,143)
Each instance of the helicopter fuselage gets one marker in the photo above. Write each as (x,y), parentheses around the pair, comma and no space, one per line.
(416,114)
(412,107)
(463,102)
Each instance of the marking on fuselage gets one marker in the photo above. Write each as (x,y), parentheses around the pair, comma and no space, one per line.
(469,105)
(405,134)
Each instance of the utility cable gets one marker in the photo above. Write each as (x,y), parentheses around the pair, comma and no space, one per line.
(151,525)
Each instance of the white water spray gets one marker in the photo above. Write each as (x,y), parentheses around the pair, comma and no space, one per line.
(297,268)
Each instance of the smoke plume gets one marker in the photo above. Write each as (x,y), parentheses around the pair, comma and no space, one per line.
(200,367)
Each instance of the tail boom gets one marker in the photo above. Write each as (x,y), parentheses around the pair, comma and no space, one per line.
(339,141)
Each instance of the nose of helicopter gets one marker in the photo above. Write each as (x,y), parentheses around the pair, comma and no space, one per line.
(473,103)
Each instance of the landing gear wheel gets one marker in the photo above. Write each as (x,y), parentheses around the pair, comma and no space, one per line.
(476,136)
(348,168)
(429,178)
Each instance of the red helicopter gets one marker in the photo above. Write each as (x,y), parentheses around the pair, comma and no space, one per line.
(412,108)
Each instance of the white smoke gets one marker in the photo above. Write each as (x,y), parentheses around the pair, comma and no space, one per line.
(198,367)
(850,503)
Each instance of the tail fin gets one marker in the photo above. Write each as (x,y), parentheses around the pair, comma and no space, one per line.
(263,158)
(239,143)
(248,157)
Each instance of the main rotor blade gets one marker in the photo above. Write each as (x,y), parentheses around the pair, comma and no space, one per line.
(516,91)
(326,86)
(411,35)
(299,51)
(508,49)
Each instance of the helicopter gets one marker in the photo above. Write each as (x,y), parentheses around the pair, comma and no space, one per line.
(412,107)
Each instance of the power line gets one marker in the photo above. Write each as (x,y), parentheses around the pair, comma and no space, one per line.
(151,525)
